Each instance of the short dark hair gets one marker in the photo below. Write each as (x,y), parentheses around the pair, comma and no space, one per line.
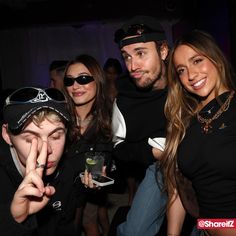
(113,62)
(58,65)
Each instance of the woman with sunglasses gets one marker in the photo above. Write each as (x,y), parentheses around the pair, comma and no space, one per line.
(201,140)
(38,196)
(91,115)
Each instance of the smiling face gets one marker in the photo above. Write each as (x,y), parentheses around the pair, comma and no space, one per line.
(144,63)
(197,73)
(54,133)
(81,94)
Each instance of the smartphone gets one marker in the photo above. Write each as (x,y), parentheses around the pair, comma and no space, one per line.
(101,180)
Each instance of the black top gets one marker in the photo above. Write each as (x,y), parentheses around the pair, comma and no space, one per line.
(209,161)
(143,112)
(77,152)
(89,141)
(57,218)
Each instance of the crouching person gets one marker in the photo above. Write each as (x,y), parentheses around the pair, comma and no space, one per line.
(37,187)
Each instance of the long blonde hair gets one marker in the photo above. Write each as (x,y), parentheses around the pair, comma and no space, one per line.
(181,106)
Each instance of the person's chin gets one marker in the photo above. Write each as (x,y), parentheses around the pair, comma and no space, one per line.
(143,86)
(139,83)
(50,170)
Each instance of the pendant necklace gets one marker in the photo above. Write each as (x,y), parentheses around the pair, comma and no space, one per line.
(208,111)
(206,123)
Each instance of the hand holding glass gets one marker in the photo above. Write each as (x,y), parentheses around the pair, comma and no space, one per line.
(94,163)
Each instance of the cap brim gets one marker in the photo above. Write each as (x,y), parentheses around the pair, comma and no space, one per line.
(16,115)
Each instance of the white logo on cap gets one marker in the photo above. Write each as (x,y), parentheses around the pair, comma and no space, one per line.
(41,97)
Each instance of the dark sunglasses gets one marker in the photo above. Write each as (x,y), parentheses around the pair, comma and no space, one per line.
(137,29)
(82,79)
(35,95)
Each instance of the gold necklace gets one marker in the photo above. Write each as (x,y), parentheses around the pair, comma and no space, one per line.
(206,123)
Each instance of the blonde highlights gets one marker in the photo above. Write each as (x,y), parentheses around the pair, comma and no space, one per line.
(44,114)
(181,106)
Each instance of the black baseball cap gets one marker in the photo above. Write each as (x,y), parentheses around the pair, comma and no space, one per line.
(140,29)
(23,103)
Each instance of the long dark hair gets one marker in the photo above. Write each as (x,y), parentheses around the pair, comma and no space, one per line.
(101,109)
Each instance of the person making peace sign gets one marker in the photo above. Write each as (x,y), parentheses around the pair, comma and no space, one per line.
(38,195)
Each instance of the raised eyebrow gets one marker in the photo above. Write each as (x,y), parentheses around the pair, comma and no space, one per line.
(135,49)
(140,48)
(124,52)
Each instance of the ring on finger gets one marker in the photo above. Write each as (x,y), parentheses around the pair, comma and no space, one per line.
(40,166)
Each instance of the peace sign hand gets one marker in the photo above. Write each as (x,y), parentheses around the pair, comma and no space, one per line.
(31,195)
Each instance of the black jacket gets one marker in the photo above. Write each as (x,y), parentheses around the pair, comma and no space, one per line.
(56,218)
(76,152)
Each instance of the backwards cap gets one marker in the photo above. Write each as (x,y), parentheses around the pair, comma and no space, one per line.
(140,29)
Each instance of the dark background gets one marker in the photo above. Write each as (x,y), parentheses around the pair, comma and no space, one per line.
(17,16)
(43,12)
